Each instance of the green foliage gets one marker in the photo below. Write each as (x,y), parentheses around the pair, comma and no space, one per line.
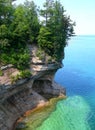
(33,21)
(19,59)
(45,39)
(40,54)
(4,42)
(23,74)
(56,29)
(20,25)
(6,10)
(1,73)
(14,79)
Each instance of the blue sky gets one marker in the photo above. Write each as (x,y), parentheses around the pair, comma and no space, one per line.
(80,11)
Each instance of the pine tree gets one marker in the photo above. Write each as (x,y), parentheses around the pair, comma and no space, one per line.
(58,26)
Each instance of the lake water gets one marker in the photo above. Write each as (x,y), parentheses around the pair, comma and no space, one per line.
(77,112)
(78,76)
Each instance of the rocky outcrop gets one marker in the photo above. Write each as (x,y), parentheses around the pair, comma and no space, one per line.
(26,94)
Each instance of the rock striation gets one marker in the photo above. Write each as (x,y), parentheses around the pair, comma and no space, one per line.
(26,94)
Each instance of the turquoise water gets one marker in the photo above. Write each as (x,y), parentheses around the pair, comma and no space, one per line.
(69,115)
(77,112)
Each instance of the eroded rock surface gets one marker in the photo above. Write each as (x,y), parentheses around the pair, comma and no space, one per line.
(26,94)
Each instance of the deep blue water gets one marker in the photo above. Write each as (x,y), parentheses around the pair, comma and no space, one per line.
(78,75)
(77,111)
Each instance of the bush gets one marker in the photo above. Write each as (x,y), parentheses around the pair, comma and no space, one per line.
(22,75)
(1,73)
(19,58)
(13,79)
(25,74)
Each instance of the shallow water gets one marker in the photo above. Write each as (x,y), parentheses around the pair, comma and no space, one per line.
(69,115)
(78,76)
(77,112)
(34,118)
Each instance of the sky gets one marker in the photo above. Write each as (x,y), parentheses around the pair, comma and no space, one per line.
(81,11)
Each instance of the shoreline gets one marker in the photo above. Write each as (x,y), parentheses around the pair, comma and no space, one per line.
(42,105)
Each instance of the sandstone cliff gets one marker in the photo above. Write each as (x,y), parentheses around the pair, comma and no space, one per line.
(26,94)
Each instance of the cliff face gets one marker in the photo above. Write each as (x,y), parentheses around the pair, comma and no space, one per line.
(26,94)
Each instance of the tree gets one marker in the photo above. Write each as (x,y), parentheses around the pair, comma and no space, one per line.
(19,26)
(45,39)
(59,26)
(6,11)
(25,23)
(33,21)
(47,12)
